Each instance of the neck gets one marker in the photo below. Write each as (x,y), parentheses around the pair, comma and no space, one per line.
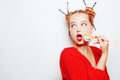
(82,48)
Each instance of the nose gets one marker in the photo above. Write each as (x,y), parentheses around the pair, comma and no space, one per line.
(78,29)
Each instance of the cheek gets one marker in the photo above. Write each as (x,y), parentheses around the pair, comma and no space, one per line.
(87,30)
(83,31)
(72,33)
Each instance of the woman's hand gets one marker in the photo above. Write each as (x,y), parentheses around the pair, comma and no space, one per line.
(104,43)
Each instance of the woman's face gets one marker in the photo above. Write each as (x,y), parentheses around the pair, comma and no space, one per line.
(79,25)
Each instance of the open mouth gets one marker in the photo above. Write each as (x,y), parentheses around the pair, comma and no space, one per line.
(79,37)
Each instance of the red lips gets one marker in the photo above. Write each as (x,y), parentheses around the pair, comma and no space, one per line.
(79,37)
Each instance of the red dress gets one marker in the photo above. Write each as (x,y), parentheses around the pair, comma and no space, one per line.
(75,66)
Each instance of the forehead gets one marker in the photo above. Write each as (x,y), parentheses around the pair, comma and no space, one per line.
(79,17)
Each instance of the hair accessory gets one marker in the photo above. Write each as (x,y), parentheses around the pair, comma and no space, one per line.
(84,3)
(89,7)
(94,4)
(62,12)
(67,9)
(88,10)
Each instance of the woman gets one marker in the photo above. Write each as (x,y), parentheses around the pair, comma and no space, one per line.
(82,61)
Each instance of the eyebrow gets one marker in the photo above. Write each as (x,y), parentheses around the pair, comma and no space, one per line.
(72,22)
(85,21)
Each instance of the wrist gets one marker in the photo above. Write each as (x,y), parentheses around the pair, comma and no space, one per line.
(105,53)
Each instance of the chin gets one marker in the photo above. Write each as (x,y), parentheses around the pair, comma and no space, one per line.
(79,43)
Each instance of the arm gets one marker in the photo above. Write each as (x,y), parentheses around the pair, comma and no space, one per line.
(104,47)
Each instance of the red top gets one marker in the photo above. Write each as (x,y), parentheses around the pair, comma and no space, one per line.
(75,66)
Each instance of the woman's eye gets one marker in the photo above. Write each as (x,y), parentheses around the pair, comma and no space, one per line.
(73,26)
(83,24)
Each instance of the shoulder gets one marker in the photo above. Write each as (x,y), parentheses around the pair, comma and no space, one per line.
(69,56)
(67,50)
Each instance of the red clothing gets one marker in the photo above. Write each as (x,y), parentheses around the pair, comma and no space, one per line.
(75,66)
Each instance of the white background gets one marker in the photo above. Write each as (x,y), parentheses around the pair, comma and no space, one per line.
(33,34)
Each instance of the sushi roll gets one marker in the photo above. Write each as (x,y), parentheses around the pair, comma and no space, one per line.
(87,37)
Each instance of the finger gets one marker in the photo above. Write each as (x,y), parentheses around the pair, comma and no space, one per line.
(100,40)
(96,41)
(104,39)
(106,42)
